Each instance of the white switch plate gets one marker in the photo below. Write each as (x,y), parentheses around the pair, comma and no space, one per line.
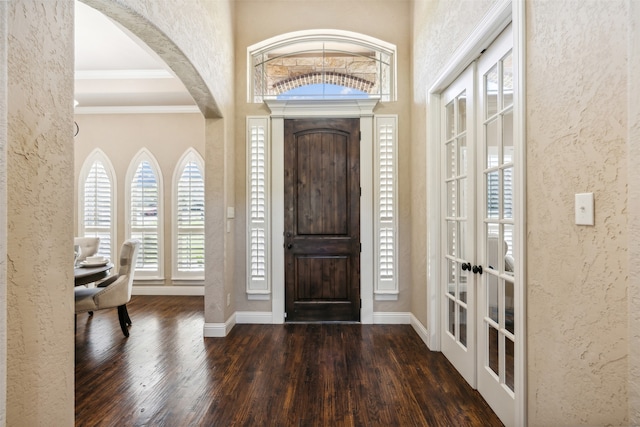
(231,212)
(584,209)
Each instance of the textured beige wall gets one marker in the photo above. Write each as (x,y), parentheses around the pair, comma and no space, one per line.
(4,7)
(633,210)
(40,372)
(386,20)
(577,275)
(435,39)
(122,136)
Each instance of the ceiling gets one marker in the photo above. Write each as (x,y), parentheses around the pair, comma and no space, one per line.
(116,72)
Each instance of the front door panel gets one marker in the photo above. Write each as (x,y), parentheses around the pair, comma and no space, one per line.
(322,220)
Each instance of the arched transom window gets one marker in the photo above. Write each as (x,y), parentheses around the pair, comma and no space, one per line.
(323,64)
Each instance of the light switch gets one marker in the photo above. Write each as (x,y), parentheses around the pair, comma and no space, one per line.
(584,209)
(231,212)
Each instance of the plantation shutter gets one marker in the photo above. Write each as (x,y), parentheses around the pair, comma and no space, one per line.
(143,218)
(257,208)
(97,207)
(386,203)
(190,220)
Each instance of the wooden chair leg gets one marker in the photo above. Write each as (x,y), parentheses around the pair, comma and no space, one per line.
(122,317)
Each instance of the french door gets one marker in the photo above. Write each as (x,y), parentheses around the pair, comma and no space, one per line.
(478,292)
(458,232)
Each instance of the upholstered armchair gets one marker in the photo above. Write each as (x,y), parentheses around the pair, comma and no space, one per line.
(114,291)
(88,246)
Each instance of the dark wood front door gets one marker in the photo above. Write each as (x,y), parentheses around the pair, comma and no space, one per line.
(322,219)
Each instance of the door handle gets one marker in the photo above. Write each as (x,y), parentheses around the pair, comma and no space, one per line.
(466,266)
(289,245)
(477,269)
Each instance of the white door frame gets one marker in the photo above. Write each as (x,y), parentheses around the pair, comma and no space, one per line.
(493,23)
(356,108)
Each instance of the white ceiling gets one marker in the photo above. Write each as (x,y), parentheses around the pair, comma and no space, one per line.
(116,72)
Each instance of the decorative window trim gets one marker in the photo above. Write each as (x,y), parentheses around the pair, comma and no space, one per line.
(386,207)
(258,207)
(328,38)
(98,155)
(145,155)
(191,155)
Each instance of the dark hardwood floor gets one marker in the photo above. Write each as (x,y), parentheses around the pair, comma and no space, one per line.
(167,374)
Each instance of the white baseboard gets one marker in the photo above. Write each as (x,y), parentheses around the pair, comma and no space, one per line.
(391,318)
(168,290)
(219,330)
(254,317)
(420,329)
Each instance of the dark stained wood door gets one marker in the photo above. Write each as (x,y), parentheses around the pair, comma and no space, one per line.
(322,219)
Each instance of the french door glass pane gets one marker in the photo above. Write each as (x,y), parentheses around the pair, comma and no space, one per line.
(494,349)
(463,326)
(450,120)
(508,306)
(491,91)
(451,199)
(452,317)
(462,112)
(509,363)
(451,238)
(492,296)
(507,193)
(507,137)
(462,198)
(493,194)
(462,247)
(452,271)
(491,138)
(450,161)
(507,81)
(462,155)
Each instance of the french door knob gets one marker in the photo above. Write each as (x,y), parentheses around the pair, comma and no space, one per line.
(466,266)
(477,269)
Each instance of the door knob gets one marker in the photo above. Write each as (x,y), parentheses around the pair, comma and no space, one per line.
(477,269)
(466,266)
(289,245)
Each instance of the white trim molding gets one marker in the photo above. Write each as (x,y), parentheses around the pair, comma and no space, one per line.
(391,318)
(420,329)
(254,317)
(219,330)
(182,290)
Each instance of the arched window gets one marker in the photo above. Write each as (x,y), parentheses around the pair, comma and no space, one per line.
(97,202)
(188,217)
(144,213)
(322,64)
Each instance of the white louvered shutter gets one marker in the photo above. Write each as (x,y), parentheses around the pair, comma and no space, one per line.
(190,221)
(144,196)
(386,213)
(97,215)
(257,208)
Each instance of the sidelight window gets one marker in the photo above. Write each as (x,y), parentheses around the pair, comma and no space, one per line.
(386,207)
(258,285)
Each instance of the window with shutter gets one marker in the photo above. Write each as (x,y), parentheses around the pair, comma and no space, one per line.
(257,207)
(188,217)
(97,202)
(386,222)
(144,213)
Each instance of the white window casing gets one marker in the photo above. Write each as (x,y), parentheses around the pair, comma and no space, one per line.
(97,202)
(258,209)
(144,214)
(187,221)
(386,207)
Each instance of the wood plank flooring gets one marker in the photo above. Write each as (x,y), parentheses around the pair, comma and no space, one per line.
(167,374)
